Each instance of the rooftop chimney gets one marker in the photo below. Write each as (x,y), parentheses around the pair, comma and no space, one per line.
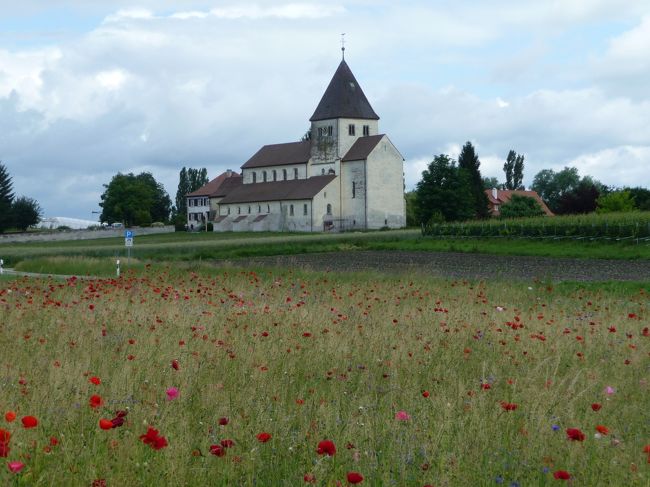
(494,193)
(229,173)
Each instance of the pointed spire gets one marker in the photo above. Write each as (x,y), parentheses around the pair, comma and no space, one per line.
(343,46)
(343,98)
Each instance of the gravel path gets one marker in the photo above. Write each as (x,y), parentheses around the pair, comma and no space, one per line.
(464,266)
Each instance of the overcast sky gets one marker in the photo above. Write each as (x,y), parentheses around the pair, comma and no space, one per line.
(89,88)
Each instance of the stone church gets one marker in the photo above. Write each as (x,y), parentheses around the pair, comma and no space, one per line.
(346,176)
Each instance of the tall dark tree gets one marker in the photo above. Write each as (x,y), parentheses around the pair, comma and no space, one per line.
(641,197)
(491,182)
(6,198)
(26,212)
(469,163)
(582,199)
(514,170)
(188,180)
(444,192)
(565,192)
(134,200)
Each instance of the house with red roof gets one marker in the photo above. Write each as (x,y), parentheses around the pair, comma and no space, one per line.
(346,176)
(498,197)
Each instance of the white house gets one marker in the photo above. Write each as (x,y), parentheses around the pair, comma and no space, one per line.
(347,176)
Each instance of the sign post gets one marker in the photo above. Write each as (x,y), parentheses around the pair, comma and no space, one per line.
(128,243)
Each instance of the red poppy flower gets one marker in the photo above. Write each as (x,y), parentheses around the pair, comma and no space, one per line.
(105,424)
(508,406)
(646,449)
(29,422)
(4,435)
(153,439)
(223,421)
(596,406)
(10,416)
(4,449)
(217,450)
(562,475)
(263,437)
(159,443)
(574,434)
(309,478)
(95,380)
(602,429)
(326,447)
(95,401)
(486,386)
(117,422)
(425,394)
(175,364)
(355,477)
(227,443)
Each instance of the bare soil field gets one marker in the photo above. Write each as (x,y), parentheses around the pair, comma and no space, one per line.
(462,265)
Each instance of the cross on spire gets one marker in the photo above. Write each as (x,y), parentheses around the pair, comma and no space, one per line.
(343,45)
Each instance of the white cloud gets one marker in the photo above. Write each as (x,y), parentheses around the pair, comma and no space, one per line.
(629,163)
(130,14)
(111,80)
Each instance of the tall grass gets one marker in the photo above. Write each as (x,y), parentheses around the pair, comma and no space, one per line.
(308,357)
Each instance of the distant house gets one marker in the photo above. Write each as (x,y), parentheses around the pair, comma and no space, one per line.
(498,197)
(203,204)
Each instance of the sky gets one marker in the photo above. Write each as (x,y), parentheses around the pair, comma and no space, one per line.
(90,88)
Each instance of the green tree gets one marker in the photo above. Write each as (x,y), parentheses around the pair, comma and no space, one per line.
(26,212)
(581,199)
(641,198)
(521,206)
(469,162)
(490,183)
(514,171)
(6,198)
(565,192)
(188,180)
(134,200)
(411,203)
(443,192)
(615,201)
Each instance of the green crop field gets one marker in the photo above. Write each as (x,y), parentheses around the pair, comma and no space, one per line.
(280,377)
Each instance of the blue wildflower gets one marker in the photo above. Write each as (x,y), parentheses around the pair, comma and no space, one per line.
(555,427)
(499,479)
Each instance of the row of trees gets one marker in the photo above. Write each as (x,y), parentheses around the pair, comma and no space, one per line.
(141,200)
(19,213)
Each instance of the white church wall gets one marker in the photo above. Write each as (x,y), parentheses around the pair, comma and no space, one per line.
(259,171)
(385,173)
(353,192)
(329,195)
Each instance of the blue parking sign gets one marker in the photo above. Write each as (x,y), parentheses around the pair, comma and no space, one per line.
(128,234)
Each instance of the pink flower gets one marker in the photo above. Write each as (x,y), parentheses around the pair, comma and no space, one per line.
(15,467)
(402,416)
(609,390)
(172,393)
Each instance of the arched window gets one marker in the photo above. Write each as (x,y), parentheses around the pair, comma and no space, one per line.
(329,209)
(304,209)
(249,210)
(229,210)
(275,175)
(322,172)
(354,189)
(264,176)
(259,208)
(295,173)
(284,174)
(239,210)
(268,208)
(254,177)
(331,171)
(291,210)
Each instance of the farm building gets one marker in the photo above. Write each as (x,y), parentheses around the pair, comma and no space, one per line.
(346,176)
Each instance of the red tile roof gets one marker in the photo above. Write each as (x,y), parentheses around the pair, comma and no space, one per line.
(213,186)
(504,195)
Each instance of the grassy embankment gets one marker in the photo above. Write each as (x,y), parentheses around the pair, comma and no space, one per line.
(416,380)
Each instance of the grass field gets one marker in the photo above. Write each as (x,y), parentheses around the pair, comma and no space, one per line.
(192,247)
(413,381)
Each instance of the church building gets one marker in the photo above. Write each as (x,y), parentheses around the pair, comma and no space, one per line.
(346,176)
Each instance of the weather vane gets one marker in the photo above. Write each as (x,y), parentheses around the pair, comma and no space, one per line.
(343,45)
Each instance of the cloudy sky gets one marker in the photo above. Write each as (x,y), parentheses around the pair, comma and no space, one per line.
(89,87)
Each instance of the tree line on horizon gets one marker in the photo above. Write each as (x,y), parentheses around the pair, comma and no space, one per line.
(452,190)
(19,213)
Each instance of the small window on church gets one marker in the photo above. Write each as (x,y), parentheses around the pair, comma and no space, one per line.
(354,189)
(329,209)
(291,210)
(229,210)
(329,130)
(304,209)
(320,131)
(366,130)
(351,129)
(322,172)
(264,176)
(284,174)
(249,210)
(239,210)
(295,173)
(254,177)
(275,175)
(259,208)
(268,208)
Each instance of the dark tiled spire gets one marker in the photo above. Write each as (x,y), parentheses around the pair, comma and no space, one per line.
(344,98)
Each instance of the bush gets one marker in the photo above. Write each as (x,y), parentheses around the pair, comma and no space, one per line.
(521,206)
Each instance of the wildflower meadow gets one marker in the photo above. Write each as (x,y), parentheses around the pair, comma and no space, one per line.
(283,378)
